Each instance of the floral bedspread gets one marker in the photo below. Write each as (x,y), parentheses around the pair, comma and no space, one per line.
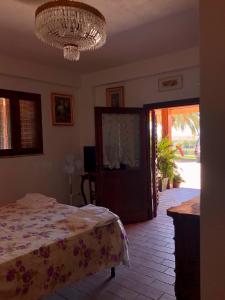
(40,254)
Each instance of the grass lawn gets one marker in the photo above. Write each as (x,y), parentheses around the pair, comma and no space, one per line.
(186,157)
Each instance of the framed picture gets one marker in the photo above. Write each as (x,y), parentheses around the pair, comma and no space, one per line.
(115,97)
(170,83)
(62,109)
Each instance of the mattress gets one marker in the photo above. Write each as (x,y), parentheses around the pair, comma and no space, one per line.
(39,253)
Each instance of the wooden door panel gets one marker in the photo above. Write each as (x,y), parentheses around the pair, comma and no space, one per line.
(154,184)
(123,188)
(123,191)
(123,196)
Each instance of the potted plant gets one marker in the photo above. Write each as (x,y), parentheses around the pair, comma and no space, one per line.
(177,179)
(166,154)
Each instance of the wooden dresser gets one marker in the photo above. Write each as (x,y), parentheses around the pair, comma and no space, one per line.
(186,218)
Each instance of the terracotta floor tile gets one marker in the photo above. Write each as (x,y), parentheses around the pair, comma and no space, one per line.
(166,288)
(169,263)
(167,297)
(170,272)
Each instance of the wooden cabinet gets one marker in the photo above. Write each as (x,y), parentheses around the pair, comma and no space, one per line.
(186,218)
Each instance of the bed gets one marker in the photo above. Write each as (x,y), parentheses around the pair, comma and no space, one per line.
(40,253)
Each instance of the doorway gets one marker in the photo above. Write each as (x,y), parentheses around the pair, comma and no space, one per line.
(174,149)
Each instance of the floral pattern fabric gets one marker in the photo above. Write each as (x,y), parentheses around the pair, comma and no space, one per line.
(39,253)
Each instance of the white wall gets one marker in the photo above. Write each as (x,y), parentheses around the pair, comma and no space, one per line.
(141,85)
(43,173)
(212,55)
(39,173)
(145,90)
(26,70)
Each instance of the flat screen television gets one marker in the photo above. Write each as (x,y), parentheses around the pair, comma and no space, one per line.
(89,159)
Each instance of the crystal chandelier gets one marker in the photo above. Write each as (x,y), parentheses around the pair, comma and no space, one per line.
(71,26)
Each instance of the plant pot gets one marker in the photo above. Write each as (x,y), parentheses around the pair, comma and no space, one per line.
(176,184)
(164,184)
(168,184)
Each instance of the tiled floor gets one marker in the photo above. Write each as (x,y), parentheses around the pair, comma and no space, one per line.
(151,275)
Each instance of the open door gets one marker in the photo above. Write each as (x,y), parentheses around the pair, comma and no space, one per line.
(122,154)
(152,111)
(152,160)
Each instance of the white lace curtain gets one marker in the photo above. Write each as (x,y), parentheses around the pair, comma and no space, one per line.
(121,140)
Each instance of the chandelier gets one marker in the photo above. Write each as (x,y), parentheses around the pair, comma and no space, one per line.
(71,26)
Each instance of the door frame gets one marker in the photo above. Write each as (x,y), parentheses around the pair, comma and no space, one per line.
(151,163)
(172,103)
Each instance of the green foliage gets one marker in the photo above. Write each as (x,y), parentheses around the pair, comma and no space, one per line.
(178,178)
(166,158)
(190,120)
(188,148)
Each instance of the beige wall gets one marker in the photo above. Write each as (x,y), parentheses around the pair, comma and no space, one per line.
(21,69)
(40,173)
(44,173)
(141,85)
(212,54)
(145,90)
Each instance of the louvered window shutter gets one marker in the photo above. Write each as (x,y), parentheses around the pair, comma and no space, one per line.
(20,123)
(28,122)
(5,131)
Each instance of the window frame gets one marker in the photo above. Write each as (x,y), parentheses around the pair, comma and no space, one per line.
(14,98)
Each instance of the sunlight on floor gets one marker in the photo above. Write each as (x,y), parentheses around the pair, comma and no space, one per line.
(191,172)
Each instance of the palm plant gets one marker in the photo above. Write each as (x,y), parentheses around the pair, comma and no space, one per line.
(191,120)
(166,155)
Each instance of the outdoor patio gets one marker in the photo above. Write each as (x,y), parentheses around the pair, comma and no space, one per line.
(191,173)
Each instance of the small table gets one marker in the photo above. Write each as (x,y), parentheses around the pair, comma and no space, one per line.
(91,177)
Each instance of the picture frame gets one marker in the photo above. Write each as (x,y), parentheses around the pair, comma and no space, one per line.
(170,83)
(62,109)
(115,97)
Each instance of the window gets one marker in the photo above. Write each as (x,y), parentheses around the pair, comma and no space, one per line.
(20,123)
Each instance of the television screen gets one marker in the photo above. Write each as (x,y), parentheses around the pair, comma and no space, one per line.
(89,159)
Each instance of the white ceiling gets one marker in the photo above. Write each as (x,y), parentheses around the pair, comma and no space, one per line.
(137,29)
